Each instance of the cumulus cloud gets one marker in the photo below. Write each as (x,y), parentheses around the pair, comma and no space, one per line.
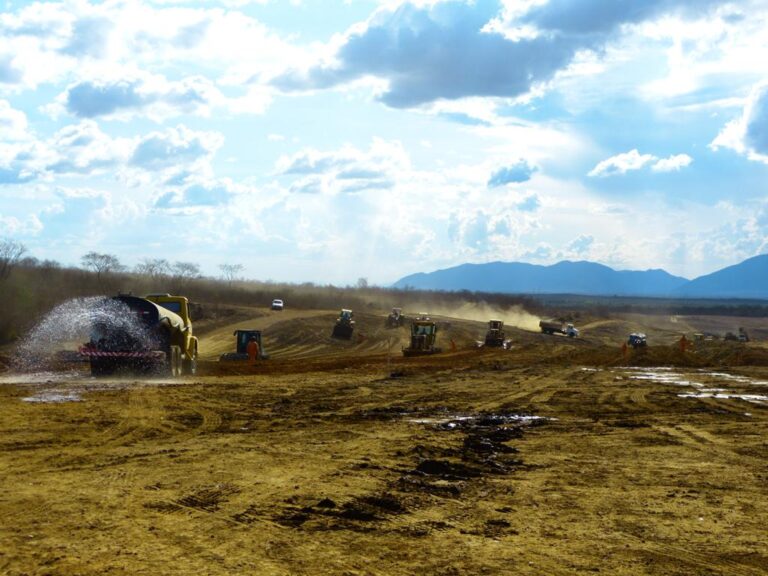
(518,172)
(748,134)
(530,203)
(206,194)
(346,170)
(142,93)
(174,147)
(13,123)
(456,49)
(178,154)
(672,164)
(581,244)
(633,160)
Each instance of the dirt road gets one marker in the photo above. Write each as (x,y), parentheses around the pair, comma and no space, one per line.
(473,462)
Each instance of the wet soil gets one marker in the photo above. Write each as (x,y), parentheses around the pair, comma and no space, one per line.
(553,457)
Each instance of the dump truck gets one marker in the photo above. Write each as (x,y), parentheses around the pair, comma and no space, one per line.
(151,334)
(344,325)
(423,337)
(395,318)
(495,335)
(637,340)
(557,327)
(242,337)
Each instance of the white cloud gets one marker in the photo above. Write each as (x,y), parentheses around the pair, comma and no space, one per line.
(347,170)
(622,163)
(13,123)
(748,135)
(633,160)
(672,164)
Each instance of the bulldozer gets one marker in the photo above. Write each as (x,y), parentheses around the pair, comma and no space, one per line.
(242,337)
(423,337)
(395,318)
(495,335)
(344,325)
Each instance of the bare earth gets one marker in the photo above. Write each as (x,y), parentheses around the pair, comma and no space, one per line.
(554,457)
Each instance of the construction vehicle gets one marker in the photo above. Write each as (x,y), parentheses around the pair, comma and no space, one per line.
(344,325)
(152,334)
(637,340)
(495,335)
(423,337)
(741,336)
(557,327)
(395,318)
(242,337)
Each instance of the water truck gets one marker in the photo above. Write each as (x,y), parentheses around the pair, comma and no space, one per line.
(152,334)
(556,327)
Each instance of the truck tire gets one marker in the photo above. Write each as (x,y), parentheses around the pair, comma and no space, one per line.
(189,365)
(101,367)
(172,365)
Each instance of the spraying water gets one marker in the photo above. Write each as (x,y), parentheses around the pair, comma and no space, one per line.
(70,325)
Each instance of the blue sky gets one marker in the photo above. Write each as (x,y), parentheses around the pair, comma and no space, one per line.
(328,141)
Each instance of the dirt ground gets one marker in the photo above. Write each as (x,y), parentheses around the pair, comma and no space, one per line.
(557,456)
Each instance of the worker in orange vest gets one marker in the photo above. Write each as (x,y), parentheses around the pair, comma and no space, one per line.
(683,343)
(253,350)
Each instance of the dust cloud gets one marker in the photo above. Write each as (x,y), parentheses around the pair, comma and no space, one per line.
(516,316)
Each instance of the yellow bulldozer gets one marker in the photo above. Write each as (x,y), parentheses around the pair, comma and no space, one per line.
(423,337)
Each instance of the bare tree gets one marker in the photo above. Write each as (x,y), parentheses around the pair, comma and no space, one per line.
(102,263)
(153,267)
(230,271)
(184,271)
(10,254)
(362,283)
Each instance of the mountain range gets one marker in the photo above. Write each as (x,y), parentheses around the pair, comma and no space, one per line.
(749,279)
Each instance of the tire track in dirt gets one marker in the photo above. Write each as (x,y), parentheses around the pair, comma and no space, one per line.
(697,560)
(693,437)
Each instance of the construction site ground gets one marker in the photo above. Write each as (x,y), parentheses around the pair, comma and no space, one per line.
(557,456)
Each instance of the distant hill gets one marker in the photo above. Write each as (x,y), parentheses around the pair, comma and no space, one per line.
(748,279)
(561,278)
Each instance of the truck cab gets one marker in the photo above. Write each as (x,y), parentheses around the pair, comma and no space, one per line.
(179,305)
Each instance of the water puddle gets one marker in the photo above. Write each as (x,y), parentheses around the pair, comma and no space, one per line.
(705,383)
(53,397)
(457,421)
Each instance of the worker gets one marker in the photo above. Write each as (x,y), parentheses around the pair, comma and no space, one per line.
(683,343)
(253,350)
(624,349)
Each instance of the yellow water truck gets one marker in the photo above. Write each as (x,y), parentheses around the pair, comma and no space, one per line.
(152,334)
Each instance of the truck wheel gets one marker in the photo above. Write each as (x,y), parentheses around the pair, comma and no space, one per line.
(101,367)
(172,364)
(189,365)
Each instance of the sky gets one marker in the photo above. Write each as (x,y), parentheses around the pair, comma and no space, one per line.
(327,141)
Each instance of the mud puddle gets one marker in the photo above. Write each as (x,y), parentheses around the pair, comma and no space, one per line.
(58,387)
(53,397)
(705,383)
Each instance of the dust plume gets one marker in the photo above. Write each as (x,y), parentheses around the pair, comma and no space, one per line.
(515,316)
